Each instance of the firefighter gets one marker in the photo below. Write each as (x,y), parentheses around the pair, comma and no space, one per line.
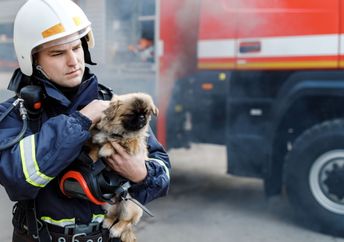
(52,40)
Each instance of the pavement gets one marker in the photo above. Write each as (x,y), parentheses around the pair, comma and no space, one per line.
(205,204)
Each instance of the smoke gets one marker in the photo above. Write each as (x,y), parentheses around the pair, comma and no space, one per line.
(209,20)
(245,15)
(182,60)
(120,25)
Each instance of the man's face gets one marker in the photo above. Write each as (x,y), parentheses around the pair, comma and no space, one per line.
(64,64)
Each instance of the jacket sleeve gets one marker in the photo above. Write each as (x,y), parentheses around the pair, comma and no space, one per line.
(36,159)
(157,182)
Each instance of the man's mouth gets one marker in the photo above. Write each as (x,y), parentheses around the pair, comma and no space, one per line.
(73,72)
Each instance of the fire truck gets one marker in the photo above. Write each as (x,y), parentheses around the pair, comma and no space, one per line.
(265,79)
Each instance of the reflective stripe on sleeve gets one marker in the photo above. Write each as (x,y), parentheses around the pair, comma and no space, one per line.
(29,163)
(167,171)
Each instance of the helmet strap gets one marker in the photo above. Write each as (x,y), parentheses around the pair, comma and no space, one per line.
(87,54)
(40,69)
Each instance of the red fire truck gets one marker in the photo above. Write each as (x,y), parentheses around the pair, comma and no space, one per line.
(265,78)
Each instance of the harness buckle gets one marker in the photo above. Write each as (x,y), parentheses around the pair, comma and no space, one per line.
(78,229)
(77,235)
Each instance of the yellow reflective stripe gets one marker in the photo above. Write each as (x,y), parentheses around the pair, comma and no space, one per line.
(55,29)
(216,65)
(29,163)
(70,221)
(77,21)
(33,153)
(61,222)
(167,171)
(289,64)
(98,218)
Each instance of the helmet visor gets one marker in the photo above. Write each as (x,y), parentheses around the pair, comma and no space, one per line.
(61,41)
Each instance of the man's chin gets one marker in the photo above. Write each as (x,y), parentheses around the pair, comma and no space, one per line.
(75,82)
(72,82)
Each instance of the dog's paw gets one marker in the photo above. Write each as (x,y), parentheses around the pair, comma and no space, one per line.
(128,236)
(115,233)
(107,223)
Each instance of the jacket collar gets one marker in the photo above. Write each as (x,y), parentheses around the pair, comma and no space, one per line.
(88,91)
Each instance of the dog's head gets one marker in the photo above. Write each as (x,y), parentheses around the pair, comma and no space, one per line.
(128,115)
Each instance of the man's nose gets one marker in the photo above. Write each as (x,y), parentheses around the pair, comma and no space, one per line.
(72,58)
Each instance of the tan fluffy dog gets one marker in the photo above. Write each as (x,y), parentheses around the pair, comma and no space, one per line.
(125,121)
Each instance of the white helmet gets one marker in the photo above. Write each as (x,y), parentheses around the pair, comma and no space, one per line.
(41,21)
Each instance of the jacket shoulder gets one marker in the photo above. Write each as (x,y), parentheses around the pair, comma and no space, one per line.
(104,92)
(7,104)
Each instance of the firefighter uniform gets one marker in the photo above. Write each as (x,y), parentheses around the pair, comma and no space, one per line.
(30,168)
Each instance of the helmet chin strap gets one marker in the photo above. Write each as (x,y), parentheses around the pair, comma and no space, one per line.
(87,54)
(40,69)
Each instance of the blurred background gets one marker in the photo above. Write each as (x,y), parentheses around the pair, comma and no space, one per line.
(250,97)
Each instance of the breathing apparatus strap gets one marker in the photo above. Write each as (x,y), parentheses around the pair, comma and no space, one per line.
(37,229)
(23,114)
(144,208)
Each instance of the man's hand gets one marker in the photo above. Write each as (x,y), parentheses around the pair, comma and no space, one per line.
(131,167)
(94,110)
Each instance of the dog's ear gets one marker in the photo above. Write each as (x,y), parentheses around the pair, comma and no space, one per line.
(108,114)
(155,110)
(111,111)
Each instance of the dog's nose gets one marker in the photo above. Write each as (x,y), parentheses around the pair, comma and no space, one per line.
(136,122)
(142,118)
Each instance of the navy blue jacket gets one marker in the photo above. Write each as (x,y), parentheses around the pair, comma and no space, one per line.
(29,169)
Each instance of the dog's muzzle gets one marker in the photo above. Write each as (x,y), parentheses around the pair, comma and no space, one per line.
(135,122)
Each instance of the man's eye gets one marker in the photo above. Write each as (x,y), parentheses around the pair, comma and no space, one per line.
(77,47)
(56,54)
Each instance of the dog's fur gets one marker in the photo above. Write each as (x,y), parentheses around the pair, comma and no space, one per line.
(125,121)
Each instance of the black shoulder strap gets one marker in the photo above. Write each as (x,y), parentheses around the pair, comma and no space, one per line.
(36,229)
(104,92)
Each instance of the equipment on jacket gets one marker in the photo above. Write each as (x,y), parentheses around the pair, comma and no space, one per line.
(30,104)
(92,181)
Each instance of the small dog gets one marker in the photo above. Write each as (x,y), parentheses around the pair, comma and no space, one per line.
(126,122)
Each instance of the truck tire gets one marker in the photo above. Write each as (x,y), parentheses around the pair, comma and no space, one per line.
(314,177)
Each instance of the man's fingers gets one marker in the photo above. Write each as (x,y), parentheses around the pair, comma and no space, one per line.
(120,150)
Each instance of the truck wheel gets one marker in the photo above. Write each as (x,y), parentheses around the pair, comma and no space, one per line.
(314,177)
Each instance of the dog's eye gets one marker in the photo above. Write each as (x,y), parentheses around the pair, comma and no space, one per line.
(129,115)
